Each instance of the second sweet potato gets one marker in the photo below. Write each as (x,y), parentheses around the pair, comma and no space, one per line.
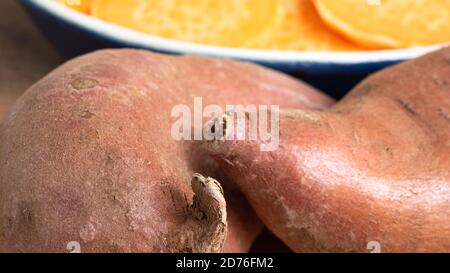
(372,171)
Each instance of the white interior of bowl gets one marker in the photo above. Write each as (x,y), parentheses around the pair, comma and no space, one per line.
(139,39)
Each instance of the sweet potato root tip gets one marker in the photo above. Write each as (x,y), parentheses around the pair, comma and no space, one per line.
(210,212)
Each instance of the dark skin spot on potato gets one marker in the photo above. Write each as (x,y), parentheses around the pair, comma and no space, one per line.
(89,136)
(84,83)
(440,81)
(200,215)
(389,151)
(363,90)
(174,203)
(109,160)
(169,191)
(416,117)
(87,114)
(187,250)
(9,223)
(111,190)
(447,59)
(444,114)
(27,216)
(406,106)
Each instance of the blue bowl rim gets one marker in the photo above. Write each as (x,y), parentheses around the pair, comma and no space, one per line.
(313,62)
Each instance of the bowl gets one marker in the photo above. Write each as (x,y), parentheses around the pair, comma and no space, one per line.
(74,33)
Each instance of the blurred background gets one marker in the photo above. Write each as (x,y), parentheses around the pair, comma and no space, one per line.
(25,55)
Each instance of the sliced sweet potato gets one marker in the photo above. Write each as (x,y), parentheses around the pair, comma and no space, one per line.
(299,27)
(217,22)
(388,23)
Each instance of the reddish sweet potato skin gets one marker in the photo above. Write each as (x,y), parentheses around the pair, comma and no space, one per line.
(374,167)
(86,154)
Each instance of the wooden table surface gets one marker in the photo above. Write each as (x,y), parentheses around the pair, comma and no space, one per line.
(25,55)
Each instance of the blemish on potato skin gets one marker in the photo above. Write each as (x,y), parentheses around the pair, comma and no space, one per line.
(88,233)
(307,116)
(229,162)
(363,90)
(444,114)
(389,151)
(27,216)
(87,114)
(9,224)
(168,191)
(406,106)
(187,250)
(447,59)
(89,137)
(83,83)
(439,81)
(25,213)
(356,137)
(112,191)
(120,97)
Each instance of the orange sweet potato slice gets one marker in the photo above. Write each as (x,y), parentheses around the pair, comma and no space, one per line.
(217,22)
(388,23)
(79,5)
(300,28)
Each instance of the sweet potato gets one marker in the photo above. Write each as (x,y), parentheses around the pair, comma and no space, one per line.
(87,155)
(373,170)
